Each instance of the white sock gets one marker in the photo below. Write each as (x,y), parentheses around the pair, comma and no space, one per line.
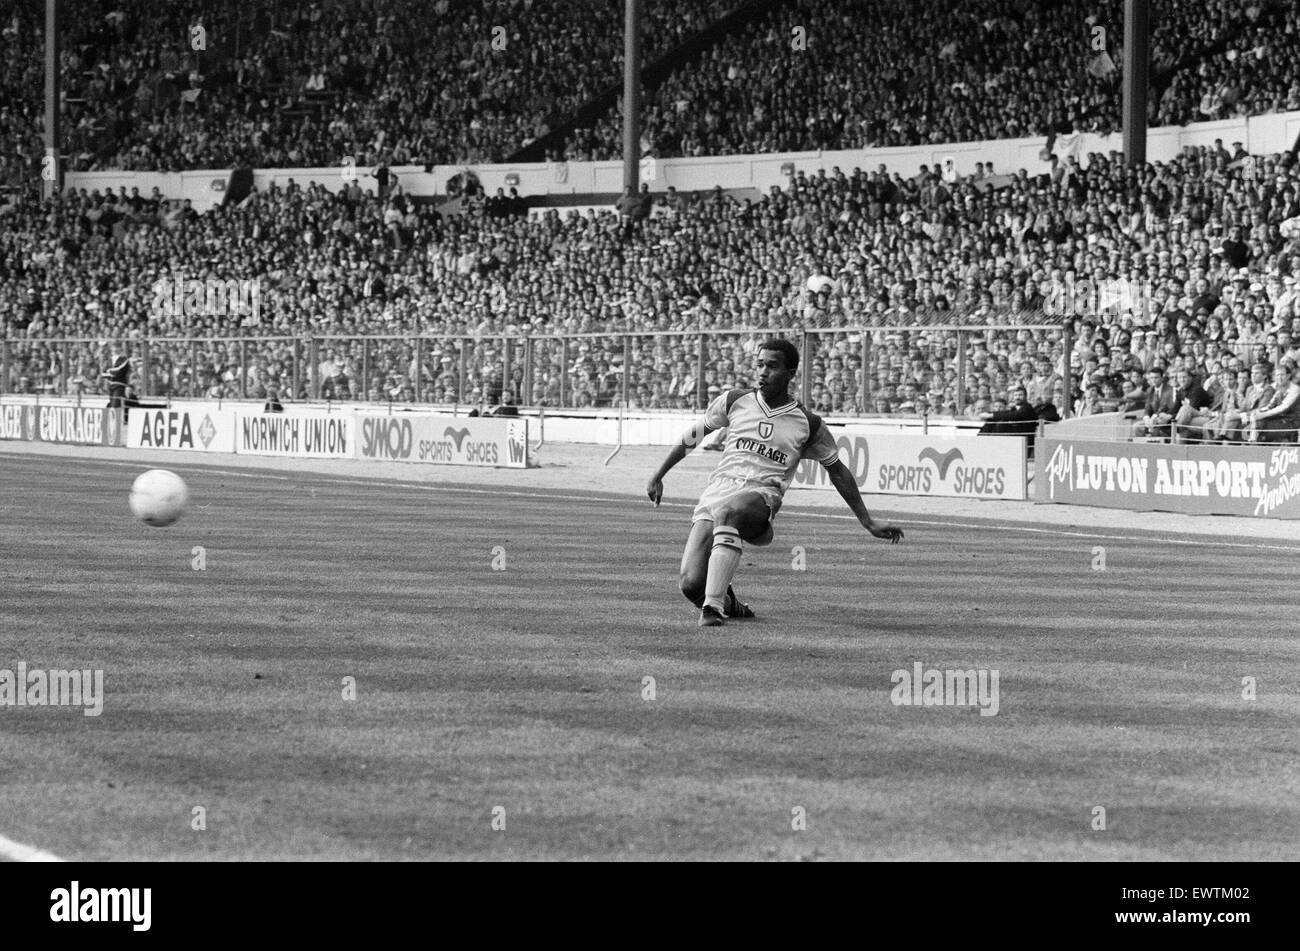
(723,560)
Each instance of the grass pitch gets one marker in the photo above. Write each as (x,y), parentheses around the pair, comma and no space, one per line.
(500,641)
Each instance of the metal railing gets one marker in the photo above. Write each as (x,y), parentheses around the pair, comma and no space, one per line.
(841,368)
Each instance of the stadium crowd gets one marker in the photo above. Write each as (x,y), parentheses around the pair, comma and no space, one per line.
(887,74)
(1204,249)
(308,83)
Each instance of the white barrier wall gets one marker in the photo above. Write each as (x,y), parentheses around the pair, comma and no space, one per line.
(597,427)
(1259,135)
(303,432)
(883,455)
(303,435)
(187,429)
(431,439)
(194,427)
(61,420)
(945,465)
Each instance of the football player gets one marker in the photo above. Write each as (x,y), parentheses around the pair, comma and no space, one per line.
(768,432)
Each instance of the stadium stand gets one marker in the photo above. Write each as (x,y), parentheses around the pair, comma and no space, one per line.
(1209,239)
(304,84)
(299,83)
(1202,235)
(886,74)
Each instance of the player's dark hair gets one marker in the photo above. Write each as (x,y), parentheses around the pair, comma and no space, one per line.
(786,349)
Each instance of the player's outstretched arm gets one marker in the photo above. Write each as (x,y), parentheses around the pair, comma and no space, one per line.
(690,439)
(847,486)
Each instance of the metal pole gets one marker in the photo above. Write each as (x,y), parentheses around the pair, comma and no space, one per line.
(701,391)
(64,354)
(631,93)
(52,170)
(1137,61)
(526,397)
(4,366)
(196,378)
(243,368)
(365,369)
(507,366)
(462,393)
(961,372)
(627,374)
(866,372)
(564,369)
(146,369)
(806,380)
(619,444)
(1067,373)
(313,354)
(297,369)
(419,368)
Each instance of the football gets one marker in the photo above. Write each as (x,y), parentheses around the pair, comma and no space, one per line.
(158,497)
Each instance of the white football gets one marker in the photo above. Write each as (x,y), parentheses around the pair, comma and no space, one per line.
(158,497)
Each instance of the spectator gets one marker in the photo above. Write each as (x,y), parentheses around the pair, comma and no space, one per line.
(1223,422)
(1279,421)
(1161,406)
(118,376)
(1017,419)
(1194,406)
(1134,395)
(507,406)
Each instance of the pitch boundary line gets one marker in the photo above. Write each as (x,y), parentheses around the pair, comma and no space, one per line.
(993,524)
(17,852)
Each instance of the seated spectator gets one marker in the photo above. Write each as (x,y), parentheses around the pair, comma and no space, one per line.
(1194,404)
(1018,419)
(506,407)
(1110,394)
(1160,407)
(1279,421)
(1091,404)
(1133,396)
(1225,416)
(1259,395)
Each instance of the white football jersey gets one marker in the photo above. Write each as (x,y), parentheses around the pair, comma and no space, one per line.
(764,445)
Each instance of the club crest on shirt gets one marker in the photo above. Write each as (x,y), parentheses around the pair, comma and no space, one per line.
(764,430)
